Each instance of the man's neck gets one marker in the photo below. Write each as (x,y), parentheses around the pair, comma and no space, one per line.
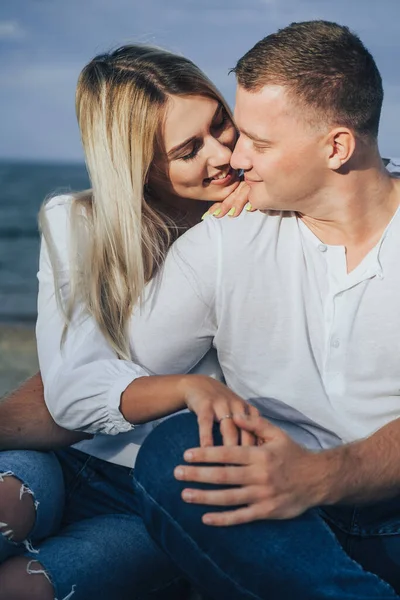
(355,211)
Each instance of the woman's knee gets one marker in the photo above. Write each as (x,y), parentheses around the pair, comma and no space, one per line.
(22,578)
(164,447)
(17,508)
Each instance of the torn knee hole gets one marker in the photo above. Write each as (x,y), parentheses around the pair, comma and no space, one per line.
(6,474)
(40,571)
(6,529)
(9,534)
(37,571)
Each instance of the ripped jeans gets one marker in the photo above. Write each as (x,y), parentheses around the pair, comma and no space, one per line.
(88,538)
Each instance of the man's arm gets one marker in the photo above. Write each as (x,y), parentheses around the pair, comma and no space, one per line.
(25,422)
(364,471)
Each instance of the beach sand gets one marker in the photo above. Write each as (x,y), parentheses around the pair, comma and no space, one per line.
(18,357)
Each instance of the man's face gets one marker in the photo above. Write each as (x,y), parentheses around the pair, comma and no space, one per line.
(281,153)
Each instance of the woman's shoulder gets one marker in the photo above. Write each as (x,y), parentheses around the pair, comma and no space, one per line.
(57,210)
(62,203)
(56,213)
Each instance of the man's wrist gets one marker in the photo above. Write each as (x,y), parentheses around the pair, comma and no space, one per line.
(330,481)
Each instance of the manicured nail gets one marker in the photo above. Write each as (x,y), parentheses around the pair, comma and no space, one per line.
(188,455)
(206,214)
(187,495)
(217,212)
(248,206)
(178,473)
(207,519)
(232,212)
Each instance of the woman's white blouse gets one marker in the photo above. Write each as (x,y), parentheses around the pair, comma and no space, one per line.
(83,379)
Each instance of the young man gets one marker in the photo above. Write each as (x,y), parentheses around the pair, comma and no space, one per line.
(302,304)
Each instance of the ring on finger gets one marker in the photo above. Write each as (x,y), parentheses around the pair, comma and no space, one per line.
(225,417)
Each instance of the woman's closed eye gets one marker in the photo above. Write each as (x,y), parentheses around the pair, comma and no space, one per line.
(194,152)
(221,122)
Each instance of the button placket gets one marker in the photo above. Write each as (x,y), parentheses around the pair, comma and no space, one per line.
(333,368)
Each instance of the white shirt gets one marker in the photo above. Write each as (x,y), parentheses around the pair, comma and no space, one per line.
(306,342)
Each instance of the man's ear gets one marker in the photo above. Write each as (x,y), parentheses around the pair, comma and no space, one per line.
(340,146)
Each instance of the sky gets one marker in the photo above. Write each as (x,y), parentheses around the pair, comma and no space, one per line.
(44,44)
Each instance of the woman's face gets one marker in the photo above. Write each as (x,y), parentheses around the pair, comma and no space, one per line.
(199,138)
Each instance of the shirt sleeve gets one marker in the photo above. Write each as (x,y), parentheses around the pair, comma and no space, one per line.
(83,379)
(174,327)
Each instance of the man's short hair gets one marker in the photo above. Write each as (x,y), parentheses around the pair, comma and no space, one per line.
(325,67)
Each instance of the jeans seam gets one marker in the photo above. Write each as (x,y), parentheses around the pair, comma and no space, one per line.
(191,542)
(75,481)
(165,586)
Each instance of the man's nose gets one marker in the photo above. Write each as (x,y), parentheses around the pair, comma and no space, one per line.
(240,158)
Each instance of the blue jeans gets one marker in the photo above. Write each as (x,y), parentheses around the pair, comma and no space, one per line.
(342,553)
(88,534)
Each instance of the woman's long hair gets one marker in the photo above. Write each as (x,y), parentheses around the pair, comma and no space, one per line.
(119,235)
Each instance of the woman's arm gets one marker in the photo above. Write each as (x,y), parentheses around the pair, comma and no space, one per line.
(25,422)
(83,379)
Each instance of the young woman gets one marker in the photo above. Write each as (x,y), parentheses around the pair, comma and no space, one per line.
(158,138)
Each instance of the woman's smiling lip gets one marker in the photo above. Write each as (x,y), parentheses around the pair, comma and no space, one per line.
(231,176)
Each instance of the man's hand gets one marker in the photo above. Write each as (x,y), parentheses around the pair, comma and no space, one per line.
(278,479)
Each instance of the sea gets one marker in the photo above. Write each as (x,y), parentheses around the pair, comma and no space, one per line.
(23,188)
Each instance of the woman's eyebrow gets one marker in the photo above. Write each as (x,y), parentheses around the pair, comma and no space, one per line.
(176,149)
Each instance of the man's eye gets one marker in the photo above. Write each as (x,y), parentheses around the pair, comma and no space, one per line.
(260,148)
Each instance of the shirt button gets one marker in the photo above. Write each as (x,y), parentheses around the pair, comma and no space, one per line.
(335,343)
(322,248)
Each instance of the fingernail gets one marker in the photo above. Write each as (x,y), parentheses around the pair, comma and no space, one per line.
(179,473)
(232,212)
(248,206)
(188,455)
(207,519)
(217,212)
(187,495)
(206,214)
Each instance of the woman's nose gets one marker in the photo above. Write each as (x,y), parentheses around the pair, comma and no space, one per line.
(219,153)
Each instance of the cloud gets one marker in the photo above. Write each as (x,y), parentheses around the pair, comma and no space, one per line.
(11,30)
(59,38)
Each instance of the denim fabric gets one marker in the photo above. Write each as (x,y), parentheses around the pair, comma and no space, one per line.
(40,474)
(88,535)
(299,558)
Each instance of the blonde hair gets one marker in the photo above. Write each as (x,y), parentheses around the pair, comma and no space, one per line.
(119,233)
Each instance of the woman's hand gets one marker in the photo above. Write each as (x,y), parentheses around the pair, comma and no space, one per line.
(233,204)
(213,401)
